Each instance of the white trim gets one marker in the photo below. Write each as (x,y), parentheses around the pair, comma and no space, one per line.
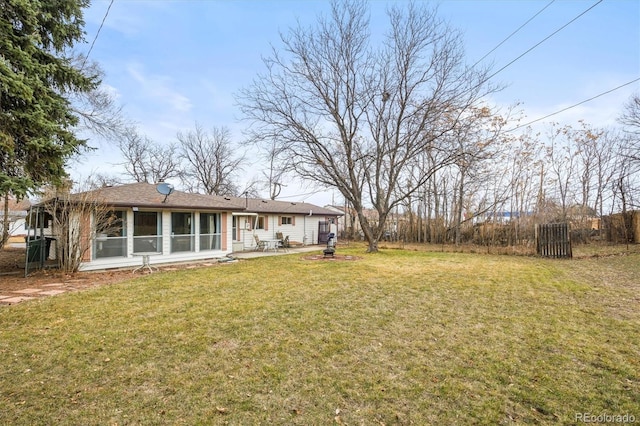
(155,260)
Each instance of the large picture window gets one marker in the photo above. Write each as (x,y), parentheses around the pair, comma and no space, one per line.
(112,243)
(147,232)
(210,231)
(182,232)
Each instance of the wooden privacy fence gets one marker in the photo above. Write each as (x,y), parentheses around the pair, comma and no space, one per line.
(553,240)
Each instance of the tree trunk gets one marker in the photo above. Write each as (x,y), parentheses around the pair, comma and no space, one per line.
(5,222)
(458,212)
(371,234)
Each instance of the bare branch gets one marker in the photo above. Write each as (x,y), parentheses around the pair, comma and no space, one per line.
(211,161)
(146,161)
(355,116)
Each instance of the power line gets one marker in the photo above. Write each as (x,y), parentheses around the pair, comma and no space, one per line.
(513,33)
(302,196)
(543,40)
(104,18)
(574,105)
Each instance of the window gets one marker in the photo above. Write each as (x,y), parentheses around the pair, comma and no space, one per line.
(210,231)
(259,222)
(182,235)
(112,242)
(147,232)
(286,220)
(234,228)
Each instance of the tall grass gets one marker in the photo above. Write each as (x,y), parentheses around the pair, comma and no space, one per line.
(400,337)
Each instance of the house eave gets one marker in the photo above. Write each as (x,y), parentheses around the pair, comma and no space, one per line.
(165,206)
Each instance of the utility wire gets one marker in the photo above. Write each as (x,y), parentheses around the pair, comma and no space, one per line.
(302,196)
(574,105)
(512,34)
(104,18)
(543,40)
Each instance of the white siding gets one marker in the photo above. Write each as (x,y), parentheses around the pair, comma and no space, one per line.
(303,230)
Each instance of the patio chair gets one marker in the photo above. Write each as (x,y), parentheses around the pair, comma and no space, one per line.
(284,244)
(260,245)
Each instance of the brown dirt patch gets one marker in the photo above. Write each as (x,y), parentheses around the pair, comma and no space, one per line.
(13,283)
(15,287)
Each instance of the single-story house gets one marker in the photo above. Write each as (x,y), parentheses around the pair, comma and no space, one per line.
(182,226)
(17,214)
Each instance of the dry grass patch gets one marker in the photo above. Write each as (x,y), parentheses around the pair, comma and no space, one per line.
(399,337)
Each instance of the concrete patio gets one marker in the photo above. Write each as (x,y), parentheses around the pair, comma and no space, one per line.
(279,252)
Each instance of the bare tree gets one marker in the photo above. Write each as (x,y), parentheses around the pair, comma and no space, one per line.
(212,163)
(630,117)
(522,170)
(561,158)
(97,109)
(586,141)
(605,156)
(251,188)
(626,185)
(278,166)
(147,161)
(479,140)
(101,180)
(77,220)
(355,116)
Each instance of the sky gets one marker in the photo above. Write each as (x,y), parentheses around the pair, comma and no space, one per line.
(172,64)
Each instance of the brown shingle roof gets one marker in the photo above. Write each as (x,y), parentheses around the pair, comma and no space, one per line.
(258,205)
(145,195)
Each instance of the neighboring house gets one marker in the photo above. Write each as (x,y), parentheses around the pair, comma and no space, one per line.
(17,218)
(184,226)
(343,221)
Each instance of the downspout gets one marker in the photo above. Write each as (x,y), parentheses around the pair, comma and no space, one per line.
(304,238)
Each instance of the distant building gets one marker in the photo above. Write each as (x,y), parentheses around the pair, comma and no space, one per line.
(17,218)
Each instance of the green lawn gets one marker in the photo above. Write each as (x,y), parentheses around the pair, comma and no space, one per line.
(399,337)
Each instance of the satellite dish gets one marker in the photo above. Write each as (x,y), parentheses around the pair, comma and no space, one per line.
(165,189)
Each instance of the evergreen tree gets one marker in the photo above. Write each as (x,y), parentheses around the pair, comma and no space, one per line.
(37,78)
